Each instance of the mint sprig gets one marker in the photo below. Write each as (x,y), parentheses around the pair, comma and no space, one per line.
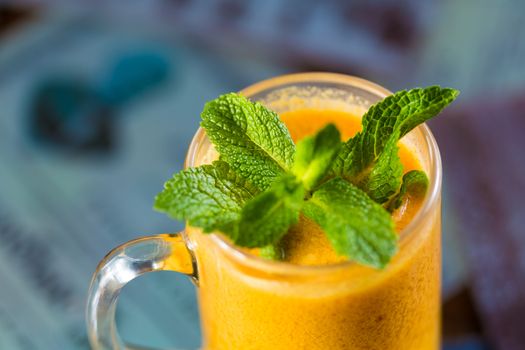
(262,182)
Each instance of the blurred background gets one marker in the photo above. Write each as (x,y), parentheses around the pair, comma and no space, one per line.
(99,101)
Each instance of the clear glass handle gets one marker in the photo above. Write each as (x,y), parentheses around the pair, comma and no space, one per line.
(123,264)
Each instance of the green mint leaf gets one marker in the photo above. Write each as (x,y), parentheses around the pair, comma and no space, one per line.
(250,137)
(384,179)
(356,226)
(415,184)
(393,117)
(314,155)
(266,218)
(210,197)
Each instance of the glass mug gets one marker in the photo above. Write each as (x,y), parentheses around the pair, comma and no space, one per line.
(247,302)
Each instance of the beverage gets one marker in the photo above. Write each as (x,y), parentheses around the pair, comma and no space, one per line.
(342,307)
(314,298)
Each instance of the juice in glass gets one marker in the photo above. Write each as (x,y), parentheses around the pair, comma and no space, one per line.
(316,299)
(313,299)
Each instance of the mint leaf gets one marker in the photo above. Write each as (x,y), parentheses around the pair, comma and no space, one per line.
(210,197)
(356,226)
(384,179)
(314,155)
(267,217)
(250,137)
(415,184)
(392,117)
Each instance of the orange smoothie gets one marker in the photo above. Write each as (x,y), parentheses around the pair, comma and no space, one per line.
(316,299)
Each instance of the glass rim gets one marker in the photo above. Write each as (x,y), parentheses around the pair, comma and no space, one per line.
(435,176)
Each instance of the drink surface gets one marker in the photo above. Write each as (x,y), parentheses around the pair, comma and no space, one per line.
(354,308)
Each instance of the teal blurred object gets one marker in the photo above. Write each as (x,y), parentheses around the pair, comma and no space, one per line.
(132,75)
(78,114)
